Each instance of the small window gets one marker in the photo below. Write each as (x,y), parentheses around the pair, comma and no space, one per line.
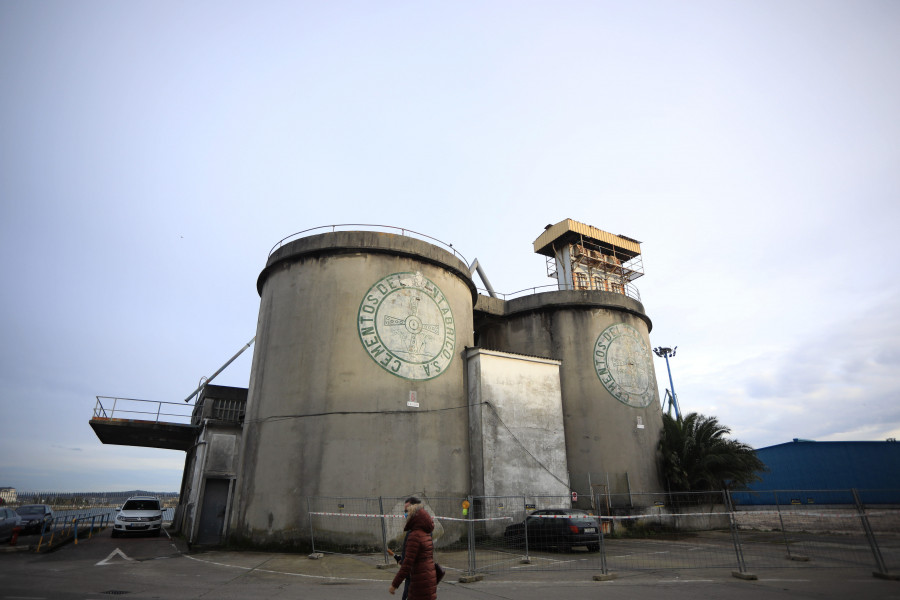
(599,284)
(581,281)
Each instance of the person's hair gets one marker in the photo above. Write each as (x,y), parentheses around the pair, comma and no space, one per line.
(413,500)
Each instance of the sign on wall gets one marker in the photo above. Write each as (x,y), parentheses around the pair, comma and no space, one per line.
(623,364)
(406,326)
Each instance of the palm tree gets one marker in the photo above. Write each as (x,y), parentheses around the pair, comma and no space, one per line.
(697,456)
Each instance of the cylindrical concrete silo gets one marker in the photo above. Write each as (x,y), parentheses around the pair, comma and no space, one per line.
(357,383)
(611,410)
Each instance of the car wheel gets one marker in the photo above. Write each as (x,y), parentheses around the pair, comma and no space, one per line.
(157,532)
(565,547)
(593,547)
(115,533)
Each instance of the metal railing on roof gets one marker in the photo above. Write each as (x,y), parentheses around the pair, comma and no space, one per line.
(368,227)
(109,407)
(225,410)
(630,291)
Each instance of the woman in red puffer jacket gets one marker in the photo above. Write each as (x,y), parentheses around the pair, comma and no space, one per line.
(418,556)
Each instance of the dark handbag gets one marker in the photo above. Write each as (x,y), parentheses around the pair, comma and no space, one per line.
(439,573)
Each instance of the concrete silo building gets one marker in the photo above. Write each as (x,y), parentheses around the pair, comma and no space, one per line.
(380,370)
(595,325)
(356,387)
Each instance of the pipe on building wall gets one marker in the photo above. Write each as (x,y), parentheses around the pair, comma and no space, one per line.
(222,368)
(475,266)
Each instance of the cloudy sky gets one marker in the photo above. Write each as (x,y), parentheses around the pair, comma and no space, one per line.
(151,153)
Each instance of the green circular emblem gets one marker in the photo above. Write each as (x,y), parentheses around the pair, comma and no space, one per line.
(623,364)
(406,325)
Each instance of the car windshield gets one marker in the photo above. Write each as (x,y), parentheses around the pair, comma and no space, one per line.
(141,505)
(30,510)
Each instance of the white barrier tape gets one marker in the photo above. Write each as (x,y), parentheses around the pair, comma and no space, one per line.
(800,513)
(620,518)
(736,514)
(341,514)
(333,514)
(473,520)
(574,517)
(659,515)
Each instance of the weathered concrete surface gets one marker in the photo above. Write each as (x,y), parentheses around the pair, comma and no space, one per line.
(603,434)
(213,457)
(487,307)
(366,242)
(516,420)
(150,434)
(328,410)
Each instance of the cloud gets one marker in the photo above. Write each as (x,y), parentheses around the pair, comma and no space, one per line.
(840,383)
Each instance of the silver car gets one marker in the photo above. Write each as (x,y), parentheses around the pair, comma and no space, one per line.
(139,514)
(9,520)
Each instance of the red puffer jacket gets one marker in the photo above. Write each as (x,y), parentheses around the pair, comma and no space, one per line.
(418,556)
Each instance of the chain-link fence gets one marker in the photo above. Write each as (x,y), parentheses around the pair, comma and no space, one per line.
(605,533)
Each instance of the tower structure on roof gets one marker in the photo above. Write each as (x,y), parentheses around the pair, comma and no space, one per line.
(582,257)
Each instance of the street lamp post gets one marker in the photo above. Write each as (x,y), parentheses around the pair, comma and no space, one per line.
(666,353)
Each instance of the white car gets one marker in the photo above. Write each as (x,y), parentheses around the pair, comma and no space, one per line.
(139,514)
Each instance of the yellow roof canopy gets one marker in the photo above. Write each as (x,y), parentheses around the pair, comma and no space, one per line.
(569,231)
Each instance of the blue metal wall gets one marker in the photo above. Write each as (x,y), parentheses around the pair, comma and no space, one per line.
(810,469)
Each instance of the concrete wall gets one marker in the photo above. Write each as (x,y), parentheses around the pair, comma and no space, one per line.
(516,421)
(218,413)
(214,456)
(612,413)
(354,329)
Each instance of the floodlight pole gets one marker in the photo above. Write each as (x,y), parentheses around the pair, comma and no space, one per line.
(666,353)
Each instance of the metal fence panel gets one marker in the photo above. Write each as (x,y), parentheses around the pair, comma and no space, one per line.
(793,531)
(621,532)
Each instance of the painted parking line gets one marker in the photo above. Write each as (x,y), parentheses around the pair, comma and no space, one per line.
(112,555)
(304,575)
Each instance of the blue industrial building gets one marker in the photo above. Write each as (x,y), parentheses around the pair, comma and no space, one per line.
(810,472)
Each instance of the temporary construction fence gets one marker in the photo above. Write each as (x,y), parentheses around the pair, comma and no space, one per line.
(521,534)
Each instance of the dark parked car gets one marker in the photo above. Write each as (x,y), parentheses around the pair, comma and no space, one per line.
(9,520)
(35,517)
(559,528)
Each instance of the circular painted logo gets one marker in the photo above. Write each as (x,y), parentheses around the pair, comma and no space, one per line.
(623,364)
(406,325)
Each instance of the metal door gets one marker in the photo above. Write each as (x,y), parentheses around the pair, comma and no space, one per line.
(212,513)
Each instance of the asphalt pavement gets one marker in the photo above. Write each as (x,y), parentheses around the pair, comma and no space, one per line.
(164,568)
